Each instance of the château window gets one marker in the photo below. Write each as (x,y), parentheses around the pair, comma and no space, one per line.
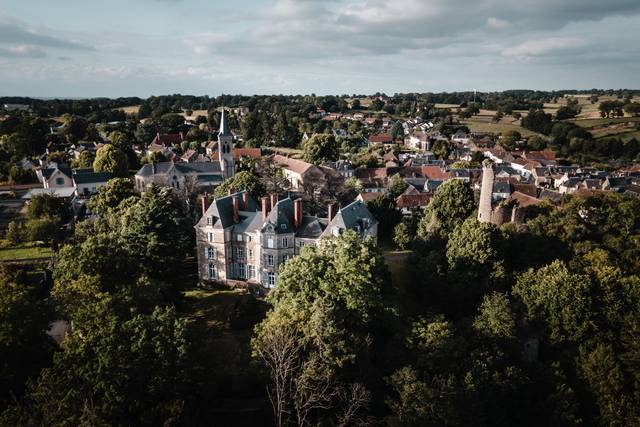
(271,280)
(240,253)
(251,272)
(239,237)
(269,260)
(241,271)
(210,237)
(209,220)
(250,253)
(285,242)
(211,271)
(270,242)
(211,253)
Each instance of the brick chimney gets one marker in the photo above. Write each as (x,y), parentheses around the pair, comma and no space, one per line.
(274,200)
(205,203)
(265,207)
(234,205)
(297,213)
(330,211)
(245,201)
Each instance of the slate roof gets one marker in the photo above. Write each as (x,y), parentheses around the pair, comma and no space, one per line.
(163,167)
(88,176)
(352,216)
(224,126)
(281,216)
(222,209)
(52,167)
(312,227)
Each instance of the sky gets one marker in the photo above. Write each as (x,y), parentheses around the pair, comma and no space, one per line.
(88,48)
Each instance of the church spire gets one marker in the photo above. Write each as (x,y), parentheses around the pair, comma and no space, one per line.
(224,126)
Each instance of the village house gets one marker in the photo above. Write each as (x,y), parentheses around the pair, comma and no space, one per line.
(298,172)
(87,182)
(241,243)
(55,175)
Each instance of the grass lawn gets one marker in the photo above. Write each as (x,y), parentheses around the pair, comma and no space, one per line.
(25,253)
(396,262)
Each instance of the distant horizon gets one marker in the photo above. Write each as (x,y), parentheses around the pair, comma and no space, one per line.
(50,98)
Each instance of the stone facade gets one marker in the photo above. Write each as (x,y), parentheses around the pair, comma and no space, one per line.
(237,240)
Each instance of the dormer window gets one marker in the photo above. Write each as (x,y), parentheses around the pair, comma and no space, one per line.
(283,227)
(209,220)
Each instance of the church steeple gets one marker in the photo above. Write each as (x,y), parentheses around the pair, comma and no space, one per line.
(224,126)
(225,148)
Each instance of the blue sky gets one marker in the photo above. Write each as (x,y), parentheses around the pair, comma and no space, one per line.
(152,47)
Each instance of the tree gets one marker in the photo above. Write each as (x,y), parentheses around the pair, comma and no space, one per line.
(510,139)
(537,121)
(495,318)
(559,299)
(320,148)
(441,149)
(25,347)
(397,185)
(41,230)
(383,208)
(48,206)
(85,159)
(450,206)
(242,181)
(401,236)
(111,159)
(111,195)
(112,371)
(632,108)
(325,307)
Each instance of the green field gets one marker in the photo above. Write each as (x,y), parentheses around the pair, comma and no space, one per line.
(486,127)
(591,123)
(22,253)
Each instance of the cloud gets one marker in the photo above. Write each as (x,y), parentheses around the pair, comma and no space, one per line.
(12,31)
(542,47)
(23,51)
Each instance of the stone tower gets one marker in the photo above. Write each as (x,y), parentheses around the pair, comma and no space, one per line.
(486,192)
(225,148)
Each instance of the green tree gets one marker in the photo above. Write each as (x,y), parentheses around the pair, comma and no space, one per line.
(495,318)
(111,159)
(558,299)
(450,206)
(320,148)
(401,236)
(510,139)
(112,371)
(242,181)
(48,206)
(25,347)
(397,185)
(111,195)
(441,149)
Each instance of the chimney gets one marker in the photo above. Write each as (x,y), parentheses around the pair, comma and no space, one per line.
(330,211)
(205,203)
(297,213)
(274,200)
(265,207)
(234,204)
(245,201)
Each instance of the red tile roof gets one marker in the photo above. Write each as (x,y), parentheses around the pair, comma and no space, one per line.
(413,200)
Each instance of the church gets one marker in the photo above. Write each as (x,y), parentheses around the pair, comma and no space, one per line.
(191,176)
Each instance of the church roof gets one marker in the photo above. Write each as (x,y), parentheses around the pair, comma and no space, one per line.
(224,126)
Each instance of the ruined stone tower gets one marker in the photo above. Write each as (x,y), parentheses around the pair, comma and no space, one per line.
(486,192)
